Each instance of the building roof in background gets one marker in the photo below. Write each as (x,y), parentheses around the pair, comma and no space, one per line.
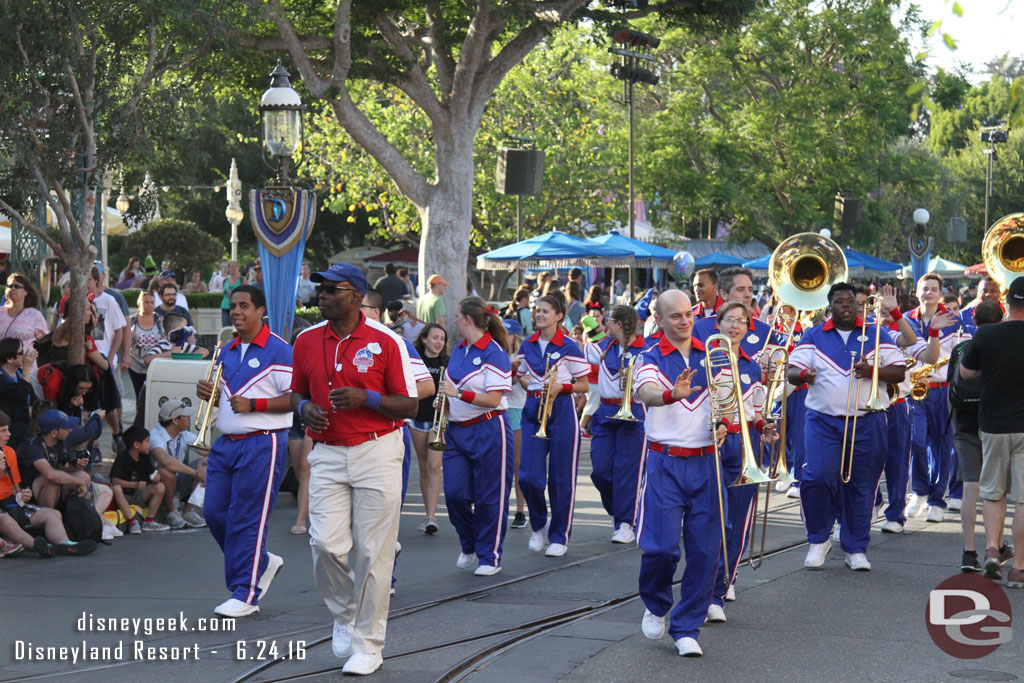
(700,248)
(404,256)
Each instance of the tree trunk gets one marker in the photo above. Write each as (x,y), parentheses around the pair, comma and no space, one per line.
(446,222)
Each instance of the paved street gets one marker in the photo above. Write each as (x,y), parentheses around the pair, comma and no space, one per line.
(542,619)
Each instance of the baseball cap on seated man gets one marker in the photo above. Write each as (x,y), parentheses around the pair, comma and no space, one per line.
(342,272)
(172,409)
(56,419)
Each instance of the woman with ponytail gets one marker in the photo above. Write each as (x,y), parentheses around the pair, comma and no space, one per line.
(616,446)
(551,462)
(478,461)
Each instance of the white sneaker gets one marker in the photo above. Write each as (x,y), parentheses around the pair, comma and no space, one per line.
(465,561)
(935,513)
(858,562)
(624,534)
(793,492)
(816,554)
(716,615)
(836,532)
(108,533)
(175,520)
(274,562)
(556,550)
(341,642)
(362,663)
(193,519)
(652,626)
(115,531)
(914,505)
(538,537)
(730,595)
(688,647)
(954,504)
(235,609)
(892,528)
(781,486)
(486,570)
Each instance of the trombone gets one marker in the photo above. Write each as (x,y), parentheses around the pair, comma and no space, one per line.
(440,422)
(724,397)
(626,372)
(205,414)
(874,303)
(547,398)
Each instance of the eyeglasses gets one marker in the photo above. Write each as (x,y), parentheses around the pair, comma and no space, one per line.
(366,305)
(15,285)
(734,321)
(332,289)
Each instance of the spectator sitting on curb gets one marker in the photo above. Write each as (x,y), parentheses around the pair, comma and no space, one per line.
(179,338)
(19,515)
(169,442)
(133,470)
(16,392)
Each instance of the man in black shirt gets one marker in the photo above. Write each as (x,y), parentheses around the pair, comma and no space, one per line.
(390,286)
(994,355)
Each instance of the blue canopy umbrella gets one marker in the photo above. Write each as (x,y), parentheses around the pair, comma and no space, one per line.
(859,264)
(718,260)
(646,255)
(555,250)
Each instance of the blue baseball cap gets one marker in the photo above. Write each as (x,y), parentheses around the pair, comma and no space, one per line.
(513,327)
(166,273)
(56,419)
(342,272)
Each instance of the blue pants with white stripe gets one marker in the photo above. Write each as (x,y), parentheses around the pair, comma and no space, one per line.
(242,479)
(406,462)
(550,463)
(823,495)
(738,500)
(897,461)
(932,446)
(615,455)
(477,467)
(796,415)
(679,491)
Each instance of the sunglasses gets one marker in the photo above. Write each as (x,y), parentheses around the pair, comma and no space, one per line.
(15,285)
(333,289)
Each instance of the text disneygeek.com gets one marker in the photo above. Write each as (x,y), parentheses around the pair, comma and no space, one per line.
(134,650)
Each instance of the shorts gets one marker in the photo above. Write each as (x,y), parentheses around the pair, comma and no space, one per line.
(515,418)
(968,453)
(184,483)
(1002,466)
(108,395)
(19,515)
(420,425)
(297,432)
(593,400)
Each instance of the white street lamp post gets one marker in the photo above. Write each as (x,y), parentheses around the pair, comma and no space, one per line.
(234,213)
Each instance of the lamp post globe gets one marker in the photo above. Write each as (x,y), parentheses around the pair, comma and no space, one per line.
(281,112)
(921,216)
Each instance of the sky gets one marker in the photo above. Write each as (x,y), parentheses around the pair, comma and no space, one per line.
(987,29)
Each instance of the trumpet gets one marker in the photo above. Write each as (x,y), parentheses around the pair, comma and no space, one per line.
(626,372)
(205,414)
(919,379)
(440,422)
(873,404)
(547,398)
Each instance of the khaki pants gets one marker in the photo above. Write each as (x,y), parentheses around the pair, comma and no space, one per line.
(354,505)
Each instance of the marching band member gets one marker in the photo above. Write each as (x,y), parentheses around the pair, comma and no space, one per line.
(478,460)
(934,462)
(617,444)
(737,284)
(824,360)
(705,288)
(988,290)
(353,386)
(245,466)
(733,319)
(552,461)
(680,485)
(796,409)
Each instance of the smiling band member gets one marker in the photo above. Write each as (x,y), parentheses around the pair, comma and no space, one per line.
(244,470)
(477,463)
(680,484)
(353,386)
(555,458)
(824,359)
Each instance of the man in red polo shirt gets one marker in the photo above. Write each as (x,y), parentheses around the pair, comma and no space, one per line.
(353,385)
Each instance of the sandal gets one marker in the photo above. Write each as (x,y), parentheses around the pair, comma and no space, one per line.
(298,530)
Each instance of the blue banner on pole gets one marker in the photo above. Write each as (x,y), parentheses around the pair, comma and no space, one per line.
(282,218)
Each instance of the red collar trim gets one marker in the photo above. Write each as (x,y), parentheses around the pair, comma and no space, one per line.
(666,347)
(829,325)
(480,343)
(556,340)
(718,302)
(259,340)
(916,313)
(355,330)
(638,343)
(742,352)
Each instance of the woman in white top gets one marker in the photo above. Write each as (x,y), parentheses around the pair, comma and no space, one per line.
(20,317)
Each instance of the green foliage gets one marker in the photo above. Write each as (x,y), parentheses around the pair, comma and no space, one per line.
(182,242)
(204,300)
(311,313)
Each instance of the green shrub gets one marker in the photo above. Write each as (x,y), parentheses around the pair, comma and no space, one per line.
(204,300)
(183,242)
(312,314)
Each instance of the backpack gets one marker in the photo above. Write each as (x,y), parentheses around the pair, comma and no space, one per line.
(44,347)
(964,394)
(81,520)
(51,379)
